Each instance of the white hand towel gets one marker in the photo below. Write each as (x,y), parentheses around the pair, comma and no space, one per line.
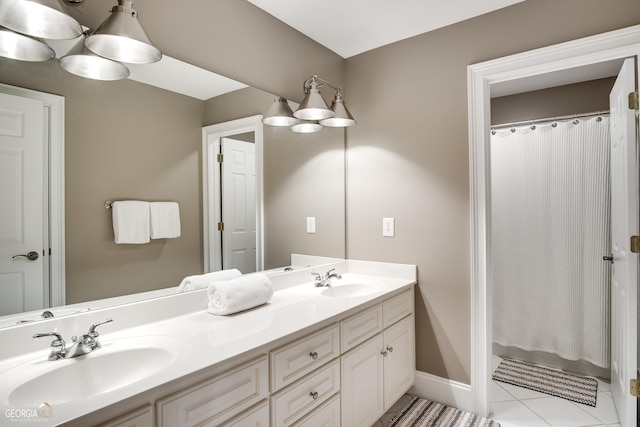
(131,221)
(165,220)
(243,293)
(201,281)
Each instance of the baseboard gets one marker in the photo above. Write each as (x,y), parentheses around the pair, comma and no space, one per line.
(442,390)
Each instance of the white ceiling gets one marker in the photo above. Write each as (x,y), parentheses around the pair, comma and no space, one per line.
(350,27)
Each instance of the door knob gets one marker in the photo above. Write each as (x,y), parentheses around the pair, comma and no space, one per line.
(31,256)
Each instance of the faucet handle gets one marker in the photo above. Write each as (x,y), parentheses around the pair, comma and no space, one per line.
(92,329)
(56,353)
(317,276)
(329,272)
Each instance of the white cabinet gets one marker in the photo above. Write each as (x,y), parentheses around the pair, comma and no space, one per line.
(254,417)
(216,400)
(362,384)
(376,373)
(327,415)
(399,361)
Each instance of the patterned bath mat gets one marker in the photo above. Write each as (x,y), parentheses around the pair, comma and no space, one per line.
(576,388)
(425,413)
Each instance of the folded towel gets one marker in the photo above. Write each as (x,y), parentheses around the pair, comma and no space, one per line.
(131,221)
(243,293)
(165,220)
(201,281)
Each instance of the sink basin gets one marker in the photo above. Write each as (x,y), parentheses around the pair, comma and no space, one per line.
(115,365)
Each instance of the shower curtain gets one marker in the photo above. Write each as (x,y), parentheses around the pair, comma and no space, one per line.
(549,231)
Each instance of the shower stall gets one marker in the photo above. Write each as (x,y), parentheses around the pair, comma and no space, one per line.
(550,229)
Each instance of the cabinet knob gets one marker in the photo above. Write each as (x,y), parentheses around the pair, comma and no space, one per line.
(384,353)
(314,355)
(390,349)
(314,395)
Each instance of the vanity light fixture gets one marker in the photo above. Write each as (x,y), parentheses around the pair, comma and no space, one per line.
(313,113)
(121,37)
(47,19)
(84,63)
(280,114)
(23,48)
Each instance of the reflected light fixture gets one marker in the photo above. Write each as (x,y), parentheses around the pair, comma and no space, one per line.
(121,37)
(280,114)
(23,48)
(84,63)
(47,19)
(313,113)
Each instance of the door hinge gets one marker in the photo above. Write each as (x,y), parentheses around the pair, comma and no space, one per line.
(220,158)
(634,388)
(635,244)
(221,226)
(634,100)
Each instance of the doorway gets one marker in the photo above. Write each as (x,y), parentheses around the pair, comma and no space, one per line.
(554,65)
(216,242)
(50,242)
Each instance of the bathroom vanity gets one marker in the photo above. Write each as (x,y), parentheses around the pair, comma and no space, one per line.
(337,355)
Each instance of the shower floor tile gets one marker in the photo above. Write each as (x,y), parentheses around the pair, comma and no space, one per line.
(519,407)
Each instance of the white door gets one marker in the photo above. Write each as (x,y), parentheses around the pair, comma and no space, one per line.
(624,223)
(239,205)
(22,197)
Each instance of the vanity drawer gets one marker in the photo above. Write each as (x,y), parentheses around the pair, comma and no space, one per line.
(255,417)
(359,328)
(297,400)
(397,307)
(142,417)
(294,360)
(216,400)
(327,415)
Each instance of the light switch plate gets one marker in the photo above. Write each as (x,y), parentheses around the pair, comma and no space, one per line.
(311,224)
(388,227)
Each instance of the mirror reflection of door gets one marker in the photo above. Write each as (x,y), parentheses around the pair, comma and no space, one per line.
(238,204)
(22,156)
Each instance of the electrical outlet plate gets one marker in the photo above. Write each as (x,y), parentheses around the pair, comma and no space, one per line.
(311,224)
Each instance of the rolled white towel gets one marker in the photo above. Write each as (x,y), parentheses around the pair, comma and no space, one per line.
(201,281)
(243,293)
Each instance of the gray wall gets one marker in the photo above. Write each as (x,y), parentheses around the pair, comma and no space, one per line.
(408,156)
(586,97)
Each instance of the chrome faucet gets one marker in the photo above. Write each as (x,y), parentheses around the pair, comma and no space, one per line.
(80,346)
(326,280)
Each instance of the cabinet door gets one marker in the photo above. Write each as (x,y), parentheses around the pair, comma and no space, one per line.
(362,384)
(142,417)
(258,416)
(399,360)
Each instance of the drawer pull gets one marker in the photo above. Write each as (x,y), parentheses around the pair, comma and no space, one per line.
(314,355)
(390,349)
(314,395)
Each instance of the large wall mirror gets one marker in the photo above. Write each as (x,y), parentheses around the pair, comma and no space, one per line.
(128,140)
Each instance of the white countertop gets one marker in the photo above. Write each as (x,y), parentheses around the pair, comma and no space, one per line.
(200,340)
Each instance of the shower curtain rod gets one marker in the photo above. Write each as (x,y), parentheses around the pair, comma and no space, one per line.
(550,119)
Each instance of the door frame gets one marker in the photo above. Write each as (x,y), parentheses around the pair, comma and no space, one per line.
(54,119)
(212,241)
(614,45)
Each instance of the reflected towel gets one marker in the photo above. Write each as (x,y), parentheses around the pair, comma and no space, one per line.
(130,222)
(243,293)
(201,281)
(165,220)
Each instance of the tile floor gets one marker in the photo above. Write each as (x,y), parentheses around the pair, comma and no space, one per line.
(520,407)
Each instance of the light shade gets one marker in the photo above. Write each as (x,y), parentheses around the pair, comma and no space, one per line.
(280,114)
(313,106)
(307,127)
(121,37)
(342,117)
(84,63)
(47,19)
(23,48)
